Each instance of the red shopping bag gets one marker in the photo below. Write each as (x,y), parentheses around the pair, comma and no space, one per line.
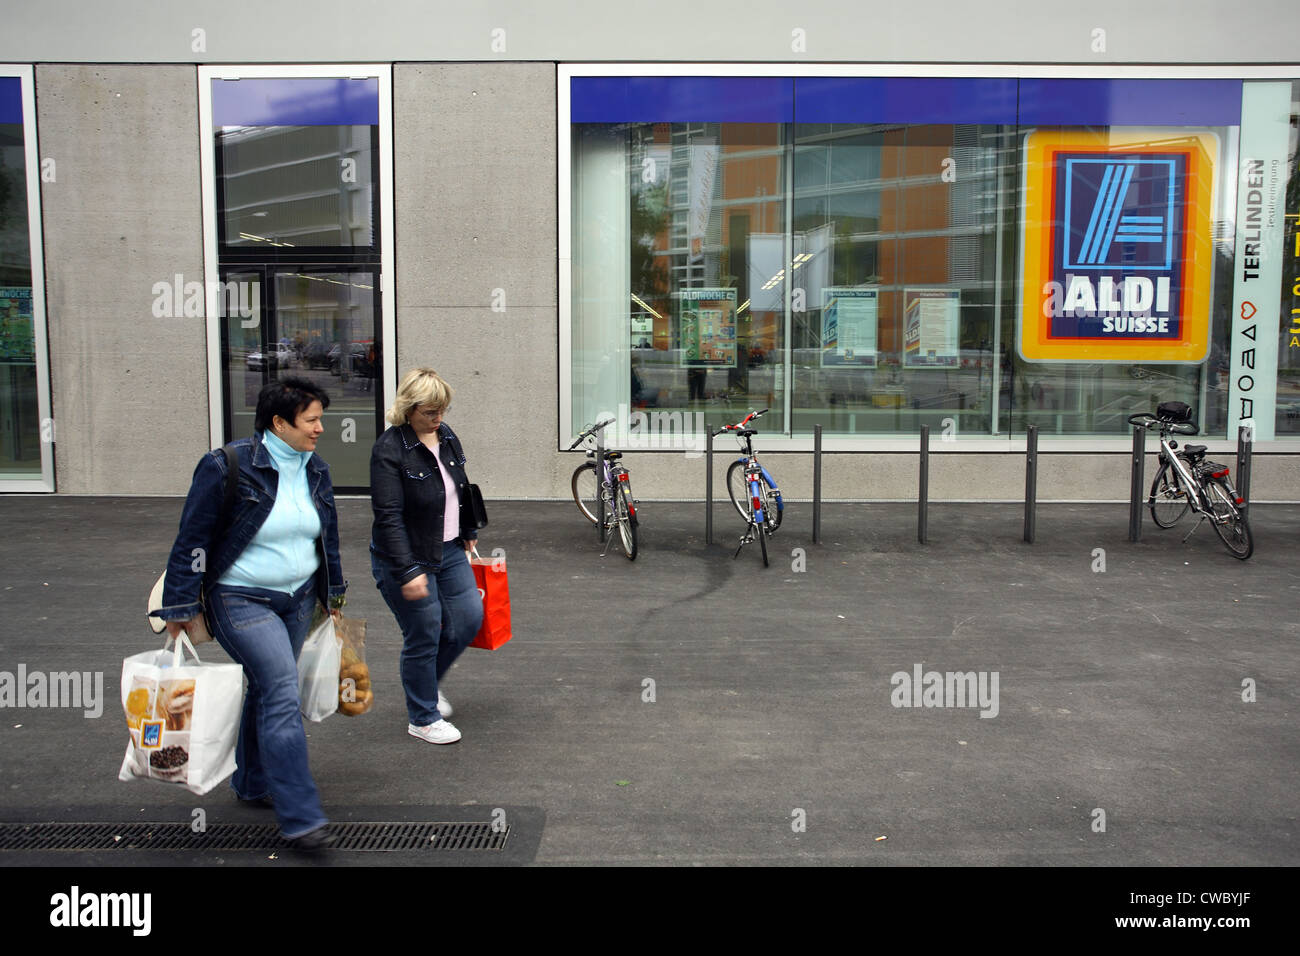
(494,589)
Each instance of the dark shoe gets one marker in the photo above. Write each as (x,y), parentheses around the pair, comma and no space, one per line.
(313,842)
(259,802)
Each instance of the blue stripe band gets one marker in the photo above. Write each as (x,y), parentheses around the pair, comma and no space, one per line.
(297,101)
(11,99)
(904,100)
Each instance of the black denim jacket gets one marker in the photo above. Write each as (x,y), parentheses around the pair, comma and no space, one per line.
(408,500)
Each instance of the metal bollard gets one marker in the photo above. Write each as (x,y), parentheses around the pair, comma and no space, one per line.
(923,499)
(817,484)
(1245,448)
(1135,484)
(1031,481)
(600,487)
(708,483)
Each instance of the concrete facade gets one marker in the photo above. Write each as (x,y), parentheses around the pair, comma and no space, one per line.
(474,176)
(129,390)
(471,221)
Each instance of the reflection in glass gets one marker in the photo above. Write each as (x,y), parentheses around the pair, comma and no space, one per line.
(679,292)
(901,225)
(319,326)
(20,438)
(297,186)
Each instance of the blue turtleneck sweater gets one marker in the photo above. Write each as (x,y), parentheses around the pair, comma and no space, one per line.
(282,555)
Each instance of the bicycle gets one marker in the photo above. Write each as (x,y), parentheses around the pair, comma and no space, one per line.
(752,489)
(1187,482)
(605,498)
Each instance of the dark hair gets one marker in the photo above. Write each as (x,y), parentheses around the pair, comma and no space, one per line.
(288,398)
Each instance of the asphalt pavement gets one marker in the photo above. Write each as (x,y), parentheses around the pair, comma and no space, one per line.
(869,700)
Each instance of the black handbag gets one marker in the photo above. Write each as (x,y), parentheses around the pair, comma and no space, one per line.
(476,510)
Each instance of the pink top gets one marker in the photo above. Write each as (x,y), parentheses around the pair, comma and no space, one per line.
(451,509)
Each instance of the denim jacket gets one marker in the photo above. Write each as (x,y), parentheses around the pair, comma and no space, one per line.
(409,502)
(220,547)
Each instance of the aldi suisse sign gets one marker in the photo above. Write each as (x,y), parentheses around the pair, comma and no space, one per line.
(1116,246)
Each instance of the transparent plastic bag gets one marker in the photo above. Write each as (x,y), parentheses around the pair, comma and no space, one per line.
(318,672)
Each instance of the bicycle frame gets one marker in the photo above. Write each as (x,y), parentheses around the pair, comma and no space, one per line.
(1195,498)
(753,470)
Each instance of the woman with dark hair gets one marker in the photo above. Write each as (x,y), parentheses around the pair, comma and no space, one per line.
(262,568)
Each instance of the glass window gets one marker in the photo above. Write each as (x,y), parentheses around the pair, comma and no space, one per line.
(679,300)
(976,254)
(299,250)
(25,438)
(899,281)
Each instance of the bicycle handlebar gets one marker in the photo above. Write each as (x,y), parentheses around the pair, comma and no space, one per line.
(1147,420)
(590,430)
(742,423)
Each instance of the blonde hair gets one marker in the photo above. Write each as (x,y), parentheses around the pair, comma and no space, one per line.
(420,386)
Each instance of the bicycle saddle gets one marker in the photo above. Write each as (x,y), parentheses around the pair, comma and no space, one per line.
(613,455)
(746,432)
(1195,451)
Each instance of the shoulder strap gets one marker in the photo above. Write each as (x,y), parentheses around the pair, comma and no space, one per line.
(232,482)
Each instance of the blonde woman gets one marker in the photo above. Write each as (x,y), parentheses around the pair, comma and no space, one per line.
(422,533)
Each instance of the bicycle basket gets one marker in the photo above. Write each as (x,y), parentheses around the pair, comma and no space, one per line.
(1174,412)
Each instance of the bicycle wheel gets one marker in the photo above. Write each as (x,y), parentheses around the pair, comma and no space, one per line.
(1168,500)
(586,490)
(738,488)
(762,542)
(1229,520)
(625,513)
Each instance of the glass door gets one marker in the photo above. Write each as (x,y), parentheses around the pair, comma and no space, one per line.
(316,322)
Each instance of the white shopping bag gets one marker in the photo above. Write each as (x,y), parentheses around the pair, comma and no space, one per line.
(318,672)
(183,717)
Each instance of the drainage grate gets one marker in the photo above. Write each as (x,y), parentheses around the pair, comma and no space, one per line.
(357,837)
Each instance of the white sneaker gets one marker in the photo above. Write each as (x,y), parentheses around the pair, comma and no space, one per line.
(444,705)
(438,732)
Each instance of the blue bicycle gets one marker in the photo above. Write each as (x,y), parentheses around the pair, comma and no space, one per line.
(752,489)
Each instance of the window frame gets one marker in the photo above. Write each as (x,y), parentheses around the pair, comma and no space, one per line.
(383,72)
(26,77)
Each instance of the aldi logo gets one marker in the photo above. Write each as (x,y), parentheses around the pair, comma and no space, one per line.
(1116,246)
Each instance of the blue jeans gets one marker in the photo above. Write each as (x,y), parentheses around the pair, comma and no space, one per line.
(435,629)
(263,631)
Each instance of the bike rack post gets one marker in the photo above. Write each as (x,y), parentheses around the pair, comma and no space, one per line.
(1135,484)
(708,483)
(817,484)
(1031,481)
(923,502)
(600,485)
(1245,446)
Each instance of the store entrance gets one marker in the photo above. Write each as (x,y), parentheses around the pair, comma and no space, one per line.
(318,322)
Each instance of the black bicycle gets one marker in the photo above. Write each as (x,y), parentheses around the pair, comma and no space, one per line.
(602,490)
(1186,482)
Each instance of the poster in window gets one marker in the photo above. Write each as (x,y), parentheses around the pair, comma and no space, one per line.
(643,331)
(17,332)
(707,328)
(930,318)
(1117,245)
(850,319)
